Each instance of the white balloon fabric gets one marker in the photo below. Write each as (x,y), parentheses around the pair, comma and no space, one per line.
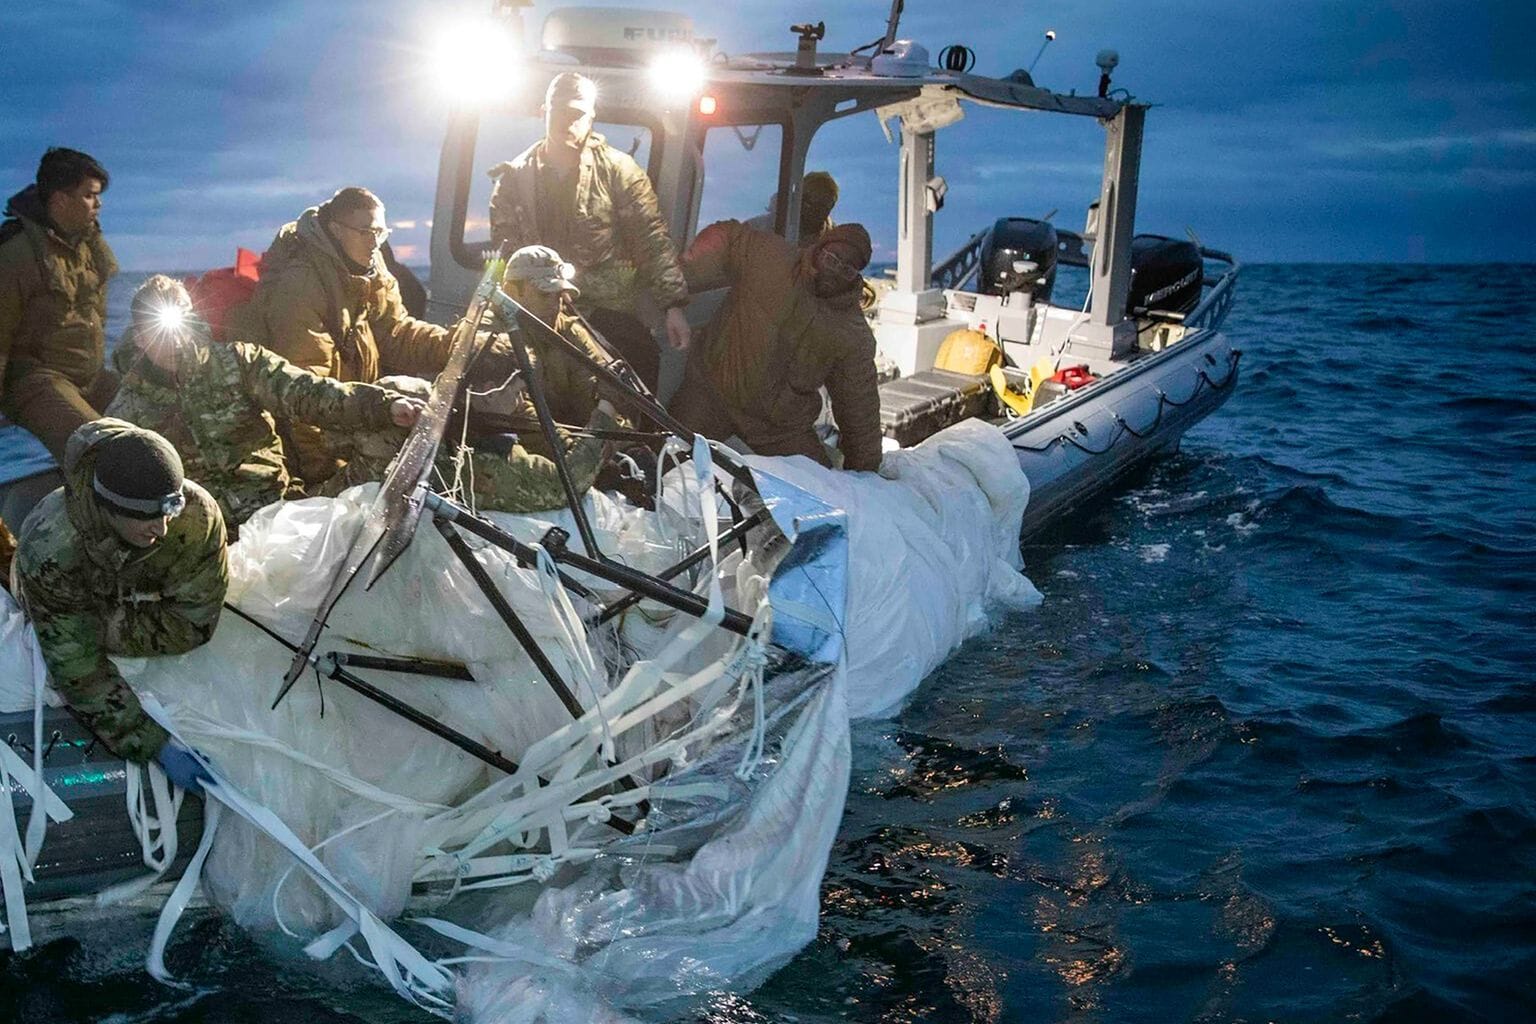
(741,753)
(933,548)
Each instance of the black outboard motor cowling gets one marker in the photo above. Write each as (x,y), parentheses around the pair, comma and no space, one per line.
(1017,240)
(1166,274)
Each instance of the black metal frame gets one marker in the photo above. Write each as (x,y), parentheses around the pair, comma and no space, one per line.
(449,518)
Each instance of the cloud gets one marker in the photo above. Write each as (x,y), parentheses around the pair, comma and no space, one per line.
(1279,129)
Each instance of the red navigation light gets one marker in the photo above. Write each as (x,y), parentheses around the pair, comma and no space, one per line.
(707,105)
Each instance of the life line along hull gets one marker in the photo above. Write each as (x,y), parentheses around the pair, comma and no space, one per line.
(1077,447)
(97,847)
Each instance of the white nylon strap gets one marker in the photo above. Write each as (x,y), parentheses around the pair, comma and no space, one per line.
(408,972)
(17,856)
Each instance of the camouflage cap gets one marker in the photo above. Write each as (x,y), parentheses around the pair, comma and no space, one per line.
(569,89)
(541,267)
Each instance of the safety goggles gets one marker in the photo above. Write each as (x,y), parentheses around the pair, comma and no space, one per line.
(168,506)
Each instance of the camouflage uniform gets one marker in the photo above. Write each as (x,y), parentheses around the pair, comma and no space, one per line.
(53,315)
(7,552)
(611,229)
(89,595)
(524,480)
(218,407)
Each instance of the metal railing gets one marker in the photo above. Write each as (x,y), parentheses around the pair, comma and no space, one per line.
(958,267)
(1217,302)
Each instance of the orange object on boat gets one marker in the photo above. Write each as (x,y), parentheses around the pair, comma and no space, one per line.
(218,292)
(1073,377)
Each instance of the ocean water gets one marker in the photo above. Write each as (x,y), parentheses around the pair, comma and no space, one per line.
(1267,752)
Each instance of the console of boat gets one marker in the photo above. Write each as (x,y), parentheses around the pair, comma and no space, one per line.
(1084,392)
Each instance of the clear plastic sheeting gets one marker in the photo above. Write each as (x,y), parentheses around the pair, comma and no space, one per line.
(933,547)
(18,661)
(724,745)
(733,750)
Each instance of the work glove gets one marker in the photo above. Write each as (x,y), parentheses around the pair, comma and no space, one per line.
(182,766)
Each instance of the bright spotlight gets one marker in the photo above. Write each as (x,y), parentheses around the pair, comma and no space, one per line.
(677,74)
(476,62)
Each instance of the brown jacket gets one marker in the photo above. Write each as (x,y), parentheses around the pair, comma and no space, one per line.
(314,311)
(53,296)
(773,345)
(616,239)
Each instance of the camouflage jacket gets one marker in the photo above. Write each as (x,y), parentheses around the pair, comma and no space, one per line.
(217,408)
(569,385)
(53,296)
(89,595)
(524,480)
(7,552)
(616,237)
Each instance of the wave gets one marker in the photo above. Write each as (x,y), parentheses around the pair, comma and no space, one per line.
(1383,324)
(1497,405)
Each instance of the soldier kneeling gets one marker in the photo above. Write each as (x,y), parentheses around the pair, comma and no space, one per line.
(127,558)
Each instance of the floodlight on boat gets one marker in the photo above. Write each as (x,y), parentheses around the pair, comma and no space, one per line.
(477,61)
(677,73)
(708,105)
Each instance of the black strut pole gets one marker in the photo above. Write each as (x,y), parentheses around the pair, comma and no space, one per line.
(509,616)
(645,585)
(410,714)
(405,666)
(535,375)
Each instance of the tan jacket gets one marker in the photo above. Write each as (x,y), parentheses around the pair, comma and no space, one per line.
(311,309)
(53,296)
(774,344)
(618,240)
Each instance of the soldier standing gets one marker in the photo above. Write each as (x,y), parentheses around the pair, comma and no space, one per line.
(127,558)
(573,192)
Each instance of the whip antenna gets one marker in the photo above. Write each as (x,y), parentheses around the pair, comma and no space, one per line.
(1050,37)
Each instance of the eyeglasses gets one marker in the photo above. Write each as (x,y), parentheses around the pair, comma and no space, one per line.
(831,261)
(379,234)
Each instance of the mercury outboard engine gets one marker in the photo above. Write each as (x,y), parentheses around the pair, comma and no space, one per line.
(1014,241)
(1166,274)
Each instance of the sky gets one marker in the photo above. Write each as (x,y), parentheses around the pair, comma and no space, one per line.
(1282,130)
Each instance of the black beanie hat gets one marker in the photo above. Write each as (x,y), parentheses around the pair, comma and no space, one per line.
(139,475)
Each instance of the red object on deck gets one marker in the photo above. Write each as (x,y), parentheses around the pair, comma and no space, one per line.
(218,292)
(1073,377)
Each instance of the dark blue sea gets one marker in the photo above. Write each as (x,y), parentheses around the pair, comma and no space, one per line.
(1267,752)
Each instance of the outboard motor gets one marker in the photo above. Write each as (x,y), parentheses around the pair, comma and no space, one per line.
(1015,241)
(1166,274)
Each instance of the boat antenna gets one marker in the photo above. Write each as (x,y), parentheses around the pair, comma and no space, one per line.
(891,23)
(884,42)
(1050,37)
